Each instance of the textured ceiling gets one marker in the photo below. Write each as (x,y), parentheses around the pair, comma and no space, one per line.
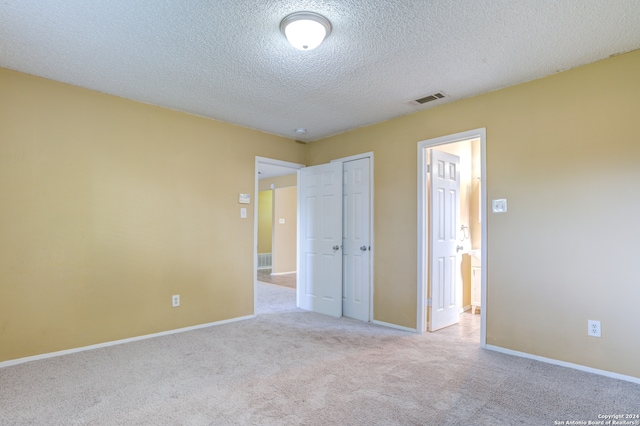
(226,59)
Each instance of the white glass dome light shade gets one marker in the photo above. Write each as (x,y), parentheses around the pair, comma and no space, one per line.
(305,30)
(305,34)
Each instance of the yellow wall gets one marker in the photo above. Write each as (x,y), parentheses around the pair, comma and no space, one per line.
(475,210)
(265,221)
(108,207)
(564,151)
(265,210)
(284,234)
(278,182)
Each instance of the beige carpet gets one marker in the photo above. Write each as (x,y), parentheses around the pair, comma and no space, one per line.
(286,280)
(289,367)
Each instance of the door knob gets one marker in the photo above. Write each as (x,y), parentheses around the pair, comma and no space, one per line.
(336,248)
(458,248)
(363,248)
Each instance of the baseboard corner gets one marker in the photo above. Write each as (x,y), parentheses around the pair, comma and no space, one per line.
(397,327)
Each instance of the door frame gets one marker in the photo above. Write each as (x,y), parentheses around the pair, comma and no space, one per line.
(263,160)
(423,229)
(294,167)
(343,160)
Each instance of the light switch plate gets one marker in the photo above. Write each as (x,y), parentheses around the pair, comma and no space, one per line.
(243,213)
(281,221)
(499,206)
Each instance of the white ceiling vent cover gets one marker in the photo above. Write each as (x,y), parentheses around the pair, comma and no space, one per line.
(429,98)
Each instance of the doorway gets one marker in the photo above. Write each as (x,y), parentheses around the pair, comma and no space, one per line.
(466,255)
(275,224)
(351,291)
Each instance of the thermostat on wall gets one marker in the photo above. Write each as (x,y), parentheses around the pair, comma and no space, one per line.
(244,198)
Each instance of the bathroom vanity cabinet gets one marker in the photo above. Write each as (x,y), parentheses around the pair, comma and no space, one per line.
(476,281)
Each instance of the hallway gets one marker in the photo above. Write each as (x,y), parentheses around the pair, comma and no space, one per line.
(285,280)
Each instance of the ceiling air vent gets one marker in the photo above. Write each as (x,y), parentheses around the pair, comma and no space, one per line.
(429,98)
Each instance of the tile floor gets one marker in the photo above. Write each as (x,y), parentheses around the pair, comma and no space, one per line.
(467,329)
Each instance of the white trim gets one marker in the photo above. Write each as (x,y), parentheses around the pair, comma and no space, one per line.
(118,342)
(371,221)
(298,257)
(423,241)
(272,161)
(397,327)
(281,163)
(354,157)
(483,244)
(283,273)
(564,364)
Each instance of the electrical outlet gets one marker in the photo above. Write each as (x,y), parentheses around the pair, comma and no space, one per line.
(175,300)
(594,328)
(499,206)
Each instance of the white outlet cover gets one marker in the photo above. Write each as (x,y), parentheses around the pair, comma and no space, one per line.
(594,329)
(499,206)
(281,221)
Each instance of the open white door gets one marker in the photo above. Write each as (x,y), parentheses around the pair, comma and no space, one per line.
(445,216)
(319,277)
(356,240)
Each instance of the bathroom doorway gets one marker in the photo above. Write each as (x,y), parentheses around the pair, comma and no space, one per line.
(451,282)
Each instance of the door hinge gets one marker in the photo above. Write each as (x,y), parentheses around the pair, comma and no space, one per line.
(429,302)
(428,168)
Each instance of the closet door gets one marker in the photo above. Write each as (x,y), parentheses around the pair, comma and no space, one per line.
(319,277)
(356,240)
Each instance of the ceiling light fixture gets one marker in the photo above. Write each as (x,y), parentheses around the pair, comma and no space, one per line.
(305,30)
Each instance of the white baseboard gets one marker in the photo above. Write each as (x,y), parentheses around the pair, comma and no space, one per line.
(565,364)
(465,309)
(283,273)
(118,342)
(398,327)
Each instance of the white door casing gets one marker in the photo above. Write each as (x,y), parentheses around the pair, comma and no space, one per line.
(423,225)
(356,241)
(319,277)
(260,162)
(445,217)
